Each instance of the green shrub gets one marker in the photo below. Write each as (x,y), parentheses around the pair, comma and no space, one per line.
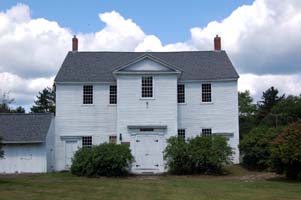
(202,154)
(286,151)
(102,160)
(210,153)
(178,156)
(255,147)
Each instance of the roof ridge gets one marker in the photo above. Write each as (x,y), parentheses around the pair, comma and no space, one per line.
(144,52)
(26,113)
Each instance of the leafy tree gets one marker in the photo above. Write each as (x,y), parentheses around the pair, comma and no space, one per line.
(245,103)
(286,151)
(247,111)
(256,147)
(5,103)
(286,111)
(269,98)
(19,109)
(45,101)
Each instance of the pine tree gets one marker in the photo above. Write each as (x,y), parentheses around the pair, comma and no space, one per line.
(45,102)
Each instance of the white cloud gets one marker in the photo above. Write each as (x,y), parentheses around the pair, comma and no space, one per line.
(119,34)
(262,38)
(256,84)
(21,89)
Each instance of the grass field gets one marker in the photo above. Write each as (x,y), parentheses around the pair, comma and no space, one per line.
(239,184)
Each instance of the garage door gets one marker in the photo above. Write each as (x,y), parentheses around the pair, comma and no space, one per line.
(148,153)
(23,158)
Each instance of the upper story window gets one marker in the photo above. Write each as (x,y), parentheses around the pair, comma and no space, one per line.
(206,131)
(87,141)
(206,92)
(113,94)
(181,133)
(88,94)
(181,93)
(147,87)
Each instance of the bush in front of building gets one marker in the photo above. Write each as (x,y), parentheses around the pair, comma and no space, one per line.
(286,151)
(255,147)
(199,155)
(102,160)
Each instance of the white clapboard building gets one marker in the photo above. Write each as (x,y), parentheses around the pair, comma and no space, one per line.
(141,99)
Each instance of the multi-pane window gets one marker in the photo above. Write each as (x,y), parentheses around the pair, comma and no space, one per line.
(181,93)
(181,133)
(206,92)
(112,139)
(113,94)
(206,131)
(87,141)
(147,86)
(88,94)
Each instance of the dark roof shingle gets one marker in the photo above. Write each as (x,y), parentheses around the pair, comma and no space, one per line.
(98,66)
(24,128)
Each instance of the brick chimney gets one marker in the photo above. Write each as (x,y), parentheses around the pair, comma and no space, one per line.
(217,43)
(74,43)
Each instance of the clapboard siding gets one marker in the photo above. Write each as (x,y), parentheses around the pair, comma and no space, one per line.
(24,158)
(221,115)
(134,110)
(75,119)
(102,119)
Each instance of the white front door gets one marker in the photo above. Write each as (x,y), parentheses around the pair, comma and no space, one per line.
(70,149)
(148,153)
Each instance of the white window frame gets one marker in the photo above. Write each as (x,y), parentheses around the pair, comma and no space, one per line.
(183,94)
(182,129)
(110,95)
(153,87)
(206,129)
(83,95)
(86,138)
(206,102)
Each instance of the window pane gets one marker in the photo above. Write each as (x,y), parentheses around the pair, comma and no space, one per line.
(113,94)
(181,93)
(147,86)
(181,133)
(206,92)
(206,131)
(87,142)
(112,139)
(88,94)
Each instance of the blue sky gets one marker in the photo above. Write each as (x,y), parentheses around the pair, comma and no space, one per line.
(261,37)
(170,20)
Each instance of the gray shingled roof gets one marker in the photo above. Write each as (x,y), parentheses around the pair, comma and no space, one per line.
(98,66)
(24,128)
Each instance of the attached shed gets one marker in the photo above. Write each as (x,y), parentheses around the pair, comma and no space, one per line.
(26,141)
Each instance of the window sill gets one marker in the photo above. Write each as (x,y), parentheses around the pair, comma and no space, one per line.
(182,103)
(206,103)
(112,105)
(147,98)
(84,105)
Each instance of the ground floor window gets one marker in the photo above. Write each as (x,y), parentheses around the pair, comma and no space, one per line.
(206,131)
(181,133)
(87,141)
(112,139)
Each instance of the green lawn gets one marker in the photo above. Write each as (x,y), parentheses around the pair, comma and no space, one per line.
(240,185)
